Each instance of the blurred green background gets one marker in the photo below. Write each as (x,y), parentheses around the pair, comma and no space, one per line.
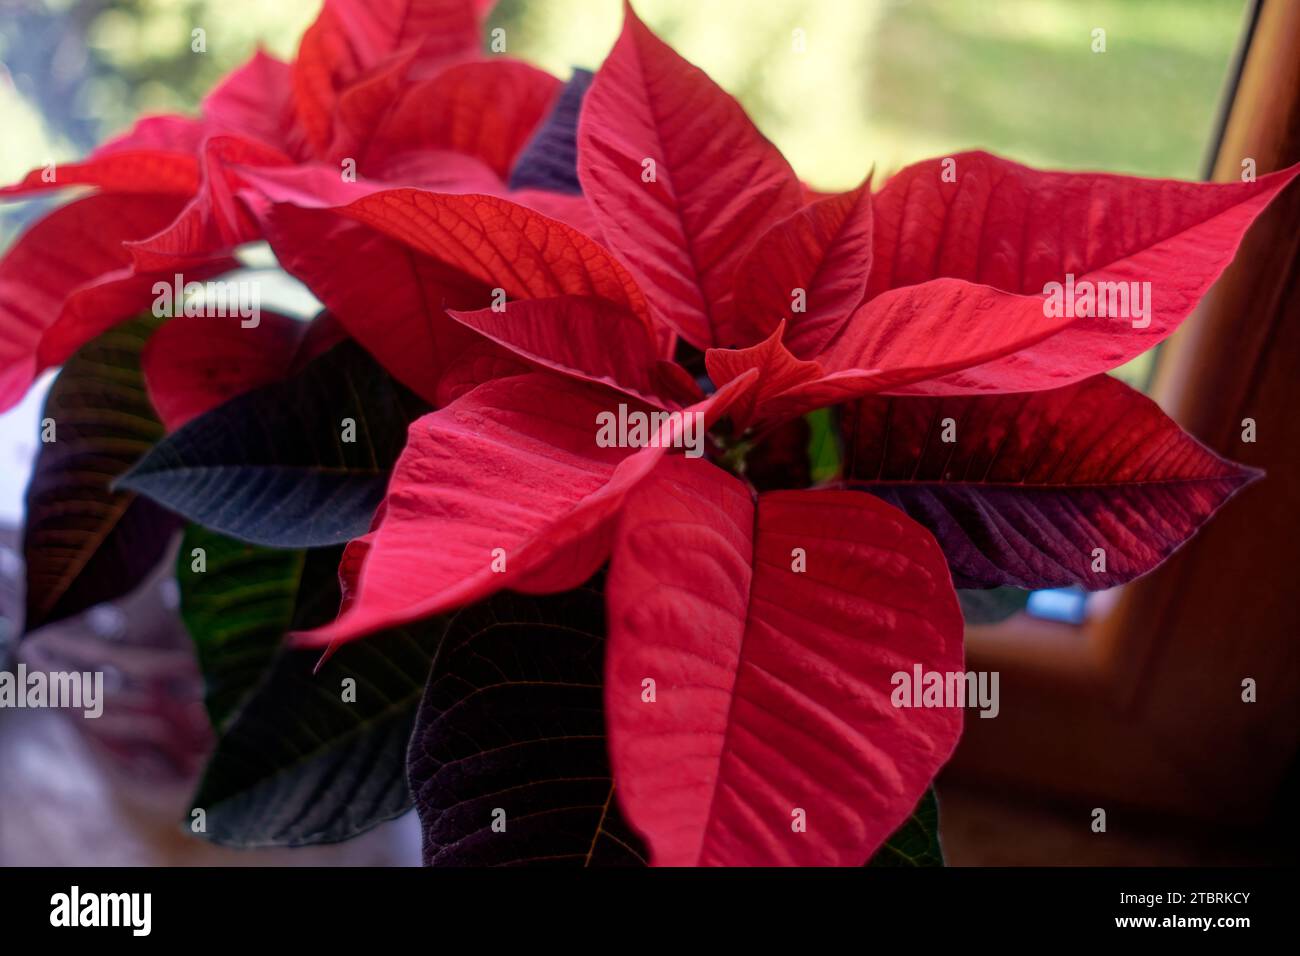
(878,81)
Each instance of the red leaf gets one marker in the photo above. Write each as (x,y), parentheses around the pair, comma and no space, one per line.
(718,183)
(780,375)
(1016,229)
(354,556)
(388,297)
(480,361)
(581,336)
(772,686)
(513,465)
(319,185)
(501,244)
(573,211)
(213,222)
(192,364)
(68,278)
(824,250)
(952,335)
(168,133)
(363,106)
(924,332)
(156,155)
(350,37)
(125,171)
(1031,484)
(487,109)
(907,335)
(254,100)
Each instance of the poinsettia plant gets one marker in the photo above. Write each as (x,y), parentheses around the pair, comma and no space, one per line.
(523,528)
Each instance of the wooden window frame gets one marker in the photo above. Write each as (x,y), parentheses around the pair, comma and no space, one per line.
(1141,707)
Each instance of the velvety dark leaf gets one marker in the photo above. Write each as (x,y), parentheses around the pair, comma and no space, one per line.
(991,606)
(301,765)
(83,543)
(237,609)
(272,466)
(916,842)
(1091,484)
(512,721)
(550,159)
(320,588)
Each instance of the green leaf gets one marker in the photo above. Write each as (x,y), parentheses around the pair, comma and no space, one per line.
(823,445)
(84,543)
(508,760)
(916,842)
(305,762)
(237,602)
(297,464)
(299,765)
(992,605)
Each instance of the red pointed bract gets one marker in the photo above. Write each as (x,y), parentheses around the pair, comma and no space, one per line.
(1016,229)
(771,738)
(578,335)
(69,277)
(679,179)
(490,489)
(821,254)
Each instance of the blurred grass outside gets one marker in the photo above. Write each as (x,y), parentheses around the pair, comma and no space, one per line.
(880,81)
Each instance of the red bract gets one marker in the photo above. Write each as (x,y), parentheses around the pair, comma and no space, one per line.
(69,277)
(679,180)
(192,365)
(701,298)
(393,92)
(772,701)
